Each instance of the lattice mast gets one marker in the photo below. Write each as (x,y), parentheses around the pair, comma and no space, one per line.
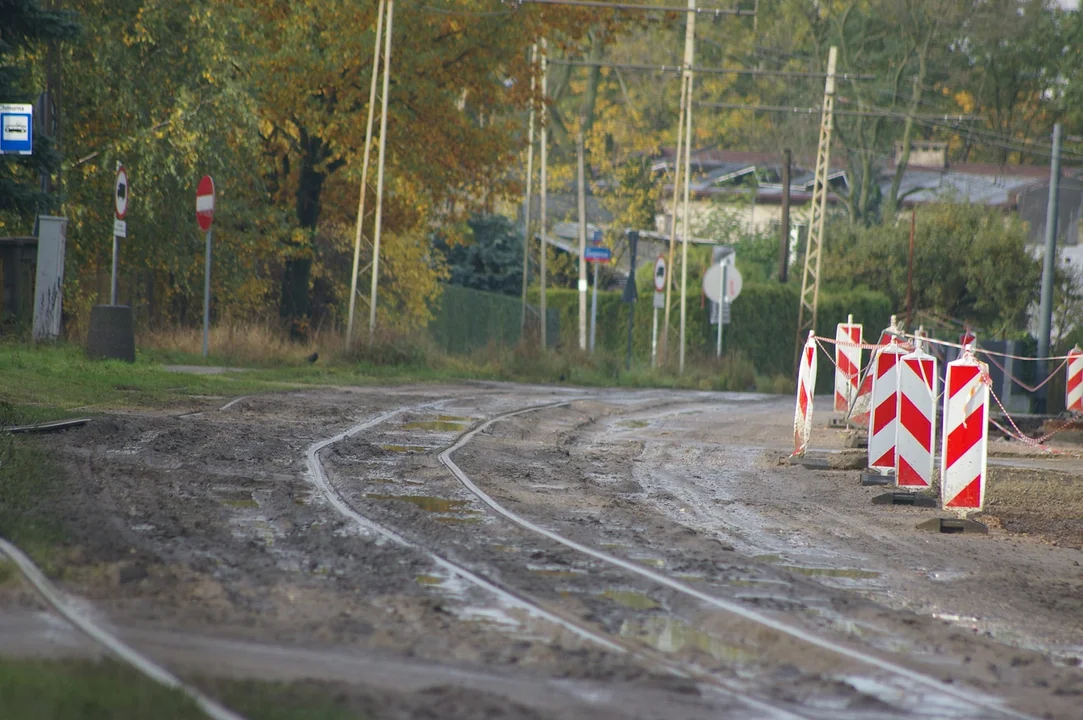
(810,279)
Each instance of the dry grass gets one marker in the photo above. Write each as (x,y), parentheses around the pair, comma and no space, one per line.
(250,344)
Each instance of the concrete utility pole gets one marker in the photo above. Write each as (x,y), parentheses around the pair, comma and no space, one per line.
(529,179)
(582,202)
(542,209)
(689,58)
(810,279)
(784,238)
(365,171)
(677,162)
(1045,313)
(380,174)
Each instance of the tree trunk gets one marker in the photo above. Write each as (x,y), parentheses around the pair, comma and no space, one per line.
(296,305)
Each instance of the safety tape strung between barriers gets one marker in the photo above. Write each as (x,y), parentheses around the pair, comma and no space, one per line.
(957,346)
(1022,384)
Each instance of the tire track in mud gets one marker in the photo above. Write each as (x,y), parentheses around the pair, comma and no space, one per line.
(971,698)
(516,599)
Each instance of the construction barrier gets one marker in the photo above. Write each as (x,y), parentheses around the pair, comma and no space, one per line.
(806,386)
(966,434)
(847,364)
(1073,388)
(885,406)
(918,382)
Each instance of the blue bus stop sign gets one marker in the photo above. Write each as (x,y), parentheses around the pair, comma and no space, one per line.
(16,129)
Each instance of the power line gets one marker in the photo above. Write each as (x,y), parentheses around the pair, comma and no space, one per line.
(716,71)
(816,111)
(633,6)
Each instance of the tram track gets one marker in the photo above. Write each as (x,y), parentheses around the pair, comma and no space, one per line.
(735,609)
(514,598)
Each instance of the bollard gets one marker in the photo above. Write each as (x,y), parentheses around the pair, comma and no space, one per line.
(885,408)
(1073,388)
(806,386)
(847,364)
(918,383)
(966,434)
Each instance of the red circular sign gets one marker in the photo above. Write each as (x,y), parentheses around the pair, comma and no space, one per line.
(205,202)
(120,192)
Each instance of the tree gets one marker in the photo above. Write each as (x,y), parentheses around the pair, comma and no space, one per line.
(970,263)
(492,261)
(24,27)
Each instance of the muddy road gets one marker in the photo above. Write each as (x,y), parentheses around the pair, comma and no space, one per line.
(509,551)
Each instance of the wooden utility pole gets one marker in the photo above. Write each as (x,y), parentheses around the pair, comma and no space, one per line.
(380,173)
(810,279)
(542,210)
(526,202)
(689,60)
(784,238)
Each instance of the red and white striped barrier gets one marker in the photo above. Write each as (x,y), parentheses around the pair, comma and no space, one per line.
(885,406)
(966,434)
(806,386)
(917,420)
(1073,389)
(847,364)
(862,407)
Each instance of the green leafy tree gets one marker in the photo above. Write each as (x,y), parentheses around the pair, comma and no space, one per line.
(24,28)
(493,261)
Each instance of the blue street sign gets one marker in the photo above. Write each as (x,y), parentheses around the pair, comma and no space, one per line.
(16,129)
(597,237)
(598,254)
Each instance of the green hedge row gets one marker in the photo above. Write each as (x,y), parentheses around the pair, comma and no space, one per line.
(763,327)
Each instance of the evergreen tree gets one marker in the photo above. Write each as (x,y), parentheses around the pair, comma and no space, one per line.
(24,26)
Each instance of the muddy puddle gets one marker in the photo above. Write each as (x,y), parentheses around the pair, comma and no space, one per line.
(632,599)
(672,636)
(443,423)
(444,510)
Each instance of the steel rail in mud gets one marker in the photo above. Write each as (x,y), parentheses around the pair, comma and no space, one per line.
(80,619)
(722,604)
(320,480)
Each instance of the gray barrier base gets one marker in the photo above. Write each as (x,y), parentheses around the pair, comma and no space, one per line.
(112,333)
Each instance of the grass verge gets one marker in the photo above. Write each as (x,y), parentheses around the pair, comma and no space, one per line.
(86,690)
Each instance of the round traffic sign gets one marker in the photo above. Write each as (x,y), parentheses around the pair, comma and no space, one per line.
(712,279)
(121,193)
(205,202)
(660,274)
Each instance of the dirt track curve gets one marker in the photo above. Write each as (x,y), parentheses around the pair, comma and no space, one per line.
(510,551)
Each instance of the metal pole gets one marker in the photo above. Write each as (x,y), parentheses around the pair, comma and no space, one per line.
(582,203)
(542,208)
(910,271)
(594,309)
(380,174)
(654,340)
(689,56)
(633,242)
(207,298)
(113,283)
(365,171)
(526,203)
(1045,313)
(784,238)
(721,305)
(676,200)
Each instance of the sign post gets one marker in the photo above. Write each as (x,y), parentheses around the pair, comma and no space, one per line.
(659,302)
(596,254)
(205,216)
(120,227)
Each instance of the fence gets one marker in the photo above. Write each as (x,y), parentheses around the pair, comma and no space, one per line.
(468,319)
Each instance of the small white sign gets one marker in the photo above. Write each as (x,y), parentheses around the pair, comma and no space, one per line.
(16,129)
(120,228)
(659,301)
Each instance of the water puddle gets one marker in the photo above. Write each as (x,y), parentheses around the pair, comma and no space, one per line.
(852,573)
(632,599)
(670,635)
(635,424)
(436,425)
(505,548)
(404,448)
(652,561)
(241,502)
(428,503)
(768,558)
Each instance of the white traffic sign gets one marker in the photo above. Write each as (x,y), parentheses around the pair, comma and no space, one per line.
(16,129)
(120,228)
(660,274)
(121,193)
(659,300)
(712,279)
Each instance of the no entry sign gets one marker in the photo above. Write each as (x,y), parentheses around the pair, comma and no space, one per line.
(205,203)
(660,274)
